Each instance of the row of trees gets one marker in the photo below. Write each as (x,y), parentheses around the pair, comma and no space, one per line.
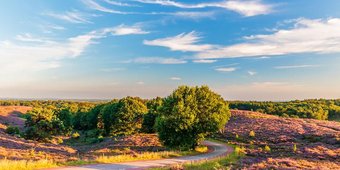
(182,119)
(316,109)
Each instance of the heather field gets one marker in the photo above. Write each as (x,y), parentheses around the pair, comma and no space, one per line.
(273,142)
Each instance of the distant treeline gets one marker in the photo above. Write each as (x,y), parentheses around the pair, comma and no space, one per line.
(320,109)
(73,105)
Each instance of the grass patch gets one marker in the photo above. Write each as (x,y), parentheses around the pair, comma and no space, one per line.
(26,165)
(146,156)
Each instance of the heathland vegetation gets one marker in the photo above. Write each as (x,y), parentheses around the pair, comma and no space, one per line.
(131,128)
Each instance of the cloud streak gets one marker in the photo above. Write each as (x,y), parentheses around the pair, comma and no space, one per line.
(246,8)
(296,66)
(95,6)
(156,60)
(70,16)
(226,69)
(186,42)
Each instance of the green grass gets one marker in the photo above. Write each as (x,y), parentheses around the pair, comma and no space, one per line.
(25,165)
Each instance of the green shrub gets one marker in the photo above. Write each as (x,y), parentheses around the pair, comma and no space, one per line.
(13,130)
(124,117)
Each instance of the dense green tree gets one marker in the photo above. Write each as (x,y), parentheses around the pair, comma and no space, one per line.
(189,114)
(149,119)
(123,117)
(42,124)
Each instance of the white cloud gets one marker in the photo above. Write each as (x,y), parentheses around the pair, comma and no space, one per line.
(245,8)
(73,16)
(175,78)
(182,42)
(226,69)
(157,60)
(252,73)
(307,36)
(127,30)
(119,3)
(295,66)
(204,61)
(94,5)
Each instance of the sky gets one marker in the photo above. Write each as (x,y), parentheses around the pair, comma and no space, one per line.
(104,49)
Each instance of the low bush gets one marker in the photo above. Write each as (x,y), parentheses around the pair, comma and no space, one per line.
(13,130)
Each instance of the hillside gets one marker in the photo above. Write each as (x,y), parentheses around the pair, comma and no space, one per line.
(12,147)
(317,142)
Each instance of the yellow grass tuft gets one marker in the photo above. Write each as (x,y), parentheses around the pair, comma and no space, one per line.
(142,156)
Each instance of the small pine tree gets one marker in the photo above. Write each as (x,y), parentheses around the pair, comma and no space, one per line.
(252,134)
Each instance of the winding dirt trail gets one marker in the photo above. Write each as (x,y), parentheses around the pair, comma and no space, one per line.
(218,151)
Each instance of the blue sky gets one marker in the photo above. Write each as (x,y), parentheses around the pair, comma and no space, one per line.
(100,49)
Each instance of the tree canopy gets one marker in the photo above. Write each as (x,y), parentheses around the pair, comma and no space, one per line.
(189,114)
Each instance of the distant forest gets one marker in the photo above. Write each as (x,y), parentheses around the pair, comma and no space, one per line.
(321,109)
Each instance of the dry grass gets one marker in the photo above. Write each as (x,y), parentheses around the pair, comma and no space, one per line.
(25,165)
(147,156)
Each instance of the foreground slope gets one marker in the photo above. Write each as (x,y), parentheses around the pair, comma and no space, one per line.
(293,143)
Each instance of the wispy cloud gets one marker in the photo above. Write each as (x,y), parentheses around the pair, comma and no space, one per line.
(156,60)
(118,3)
(96,6)
(246,8)
(175,78)
(30,53)
(204,61)
(194,14)
(71,16)
(127,30)
(27,37)
(140,82)
(296,66)
(226,69)
(182,42)
(325,39)
(252,73)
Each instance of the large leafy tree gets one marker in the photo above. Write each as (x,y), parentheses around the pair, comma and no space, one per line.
(124,117)
(189,114)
